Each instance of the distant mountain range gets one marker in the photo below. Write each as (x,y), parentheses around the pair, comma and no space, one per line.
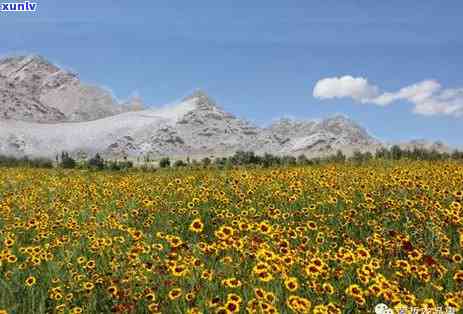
(45,110)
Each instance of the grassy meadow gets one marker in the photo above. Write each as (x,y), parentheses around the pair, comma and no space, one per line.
(336,238)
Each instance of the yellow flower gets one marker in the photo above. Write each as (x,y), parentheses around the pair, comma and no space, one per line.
(298,304)
(81,259)
(265,276)
(354,291)
(12,259)
(112,290)
(194,310)
(234,297)
(214,302)
(179,270)
(207,275)
(88,285)
(265,227)
(328,288)
(150,297)
(30,281)
(232,282)
(175,293)
(153,307)
(232,306)
(77,310)
(196,226)
(291,283)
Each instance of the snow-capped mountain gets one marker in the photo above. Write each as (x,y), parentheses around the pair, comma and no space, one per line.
(194,127)
(45,110)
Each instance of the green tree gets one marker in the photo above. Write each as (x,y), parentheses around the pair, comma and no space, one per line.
(164,162)
(396,152)
(180,163)
(96,162)
(206,161)
(340,157)
(302,160)
(67,161)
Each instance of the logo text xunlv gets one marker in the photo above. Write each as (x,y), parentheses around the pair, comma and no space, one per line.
(18,6)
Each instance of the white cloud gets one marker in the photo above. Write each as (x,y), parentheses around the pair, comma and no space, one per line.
(428,97)
(357,88)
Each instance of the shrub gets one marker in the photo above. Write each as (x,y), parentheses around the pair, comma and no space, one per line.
(164,162)
(67,161)
(206,161)
(179,164)
(96,162)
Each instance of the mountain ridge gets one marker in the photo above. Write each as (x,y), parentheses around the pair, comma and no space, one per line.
(45,110)
(38,88)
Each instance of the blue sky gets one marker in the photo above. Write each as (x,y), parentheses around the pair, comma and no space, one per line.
(258,59)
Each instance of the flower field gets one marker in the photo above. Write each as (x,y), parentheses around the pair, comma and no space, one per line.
(335,238)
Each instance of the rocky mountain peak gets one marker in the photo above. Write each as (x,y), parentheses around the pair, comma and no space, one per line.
(340,118)
(345,126)
(34,89)
(287,124)
(202,101)
(30,70)
(320,135)
(197,94)
(22,60)
(426,145)
(135,103)
(285,121)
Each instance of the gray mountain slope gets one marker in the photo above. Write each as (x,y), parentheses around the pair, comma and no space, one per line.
(33,89)
(322,137)
(438,146)
(45,110)
(194,127)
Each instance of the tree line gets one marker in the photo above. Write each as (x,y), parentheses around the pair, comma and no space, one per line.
(96,163)
(249,158)
(65,161)
(240,158)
